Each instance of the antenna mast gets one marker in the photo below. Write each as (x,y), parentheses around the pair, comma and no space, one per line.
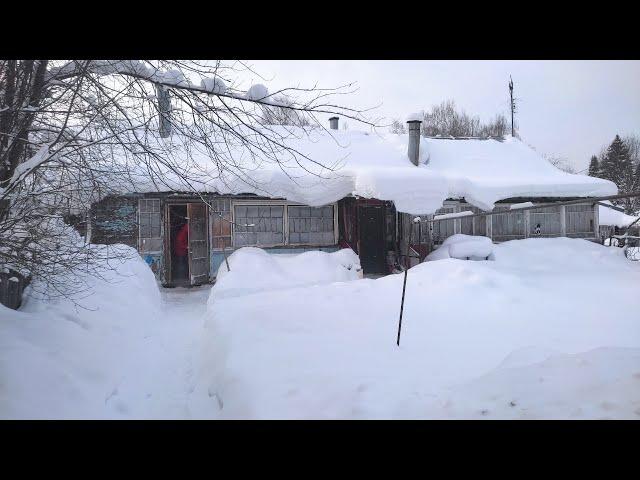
(513,105)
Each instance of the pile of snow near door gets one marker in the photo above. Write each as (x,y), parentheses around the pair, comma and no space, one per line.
(464,247)
(547,330)
(254,270)
(85,357)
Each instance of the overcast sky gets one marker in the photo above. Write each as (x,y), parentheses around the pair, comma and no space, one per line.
(566,108)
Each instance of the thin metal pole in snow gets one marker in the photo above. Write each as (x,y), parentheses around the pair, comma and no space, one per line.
(404,283)
(404,286)
(513,105)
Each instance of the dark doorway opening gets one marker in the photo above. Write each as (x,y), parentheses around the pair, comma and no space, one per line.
(179,246)
(371,223)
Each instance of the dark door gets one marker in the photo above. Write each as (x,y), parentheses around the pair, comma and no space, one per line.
(372,241)
(198,243)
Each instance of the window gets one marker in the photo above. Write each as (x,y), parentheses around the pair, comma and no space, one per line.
(309,225)
(272,224)
(149,224)
(259,225)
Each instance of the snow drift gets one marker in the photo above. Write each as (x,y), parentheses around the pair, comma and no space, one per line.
(82,358)
(547,330)
(255,270)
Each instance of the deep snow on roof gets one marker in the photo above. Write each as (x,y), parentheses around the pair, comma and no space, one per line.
(340,163)
(611,217)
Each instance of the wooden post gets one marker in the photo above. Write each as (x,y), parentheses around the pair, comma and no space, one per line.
(563,221)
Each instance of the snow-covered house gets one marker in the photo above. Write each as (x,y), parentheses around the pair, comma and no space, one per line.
(352,189)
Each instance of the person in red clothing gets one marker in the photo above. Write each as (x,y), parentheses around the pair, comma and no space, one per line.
(180,251)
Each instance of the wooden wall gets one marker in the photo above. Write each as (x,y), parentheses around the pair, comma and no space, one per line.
(577,221)
(115,220)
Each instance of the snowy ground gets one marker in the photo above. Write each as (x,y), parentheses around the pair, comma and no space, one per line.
(549,329)
(129,356)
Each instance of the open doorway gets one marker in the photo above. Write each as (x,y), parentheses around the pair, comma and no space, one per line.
(179,244)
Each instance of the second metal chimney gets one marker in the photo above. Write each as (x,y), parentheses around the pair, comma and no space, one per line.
(333,123)
(413,125)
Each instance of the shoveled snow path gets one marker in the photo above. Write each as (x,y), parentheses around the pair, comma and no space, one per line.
(178,331)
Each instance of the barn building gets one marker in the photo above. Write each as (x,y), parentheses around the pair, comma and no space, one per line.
(380,183)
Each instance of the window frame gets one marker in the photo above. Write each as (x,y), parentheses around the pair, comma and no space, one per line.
(141,237)
(255,204)
(285,222)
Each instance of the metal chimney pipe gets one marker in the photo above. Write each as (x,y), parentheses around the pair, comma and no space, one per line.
(164,107)
(414,140)
(333,123)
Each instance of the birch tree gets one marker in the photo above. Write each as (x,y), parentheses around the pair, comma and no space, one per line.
(61,123)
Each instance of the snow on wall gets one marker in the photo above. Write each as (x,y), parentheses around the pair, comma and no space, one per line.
(370,165)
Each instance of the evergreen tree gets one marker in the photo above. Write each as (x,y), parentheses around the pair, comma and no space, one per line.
(594,167)
(636,188)
(618,167)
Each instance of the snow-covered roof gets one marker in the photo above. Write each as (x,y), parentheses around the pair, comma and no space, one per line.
(615,218)
(371,165)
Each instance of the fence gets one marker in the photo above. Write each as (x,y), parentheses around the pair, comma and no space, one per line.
(571,218)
